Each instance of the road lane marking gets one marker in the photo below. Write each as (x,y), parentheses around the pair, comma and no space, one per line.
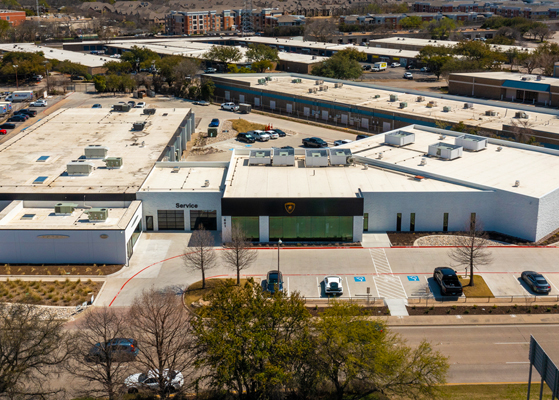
(514,343)
(518,362)
(288,292)
(318,286)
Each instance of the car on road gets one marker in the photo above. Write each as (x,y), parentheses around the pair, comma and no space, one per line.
(245,137)
(274,281)
(359,137)
(447,279)
(214,123)
(342,141)
(201,103)
(229,107)
(279,132)
(142,381)
(394,65)
(97,105)
(38,103)
(141,104)
(27,111)
(333,285)
(261,136)
(117,349)
(18,118)
(536,282)
(7,126)
(210,71)
(314,142)
(408,75)
(3,132)
(273,134)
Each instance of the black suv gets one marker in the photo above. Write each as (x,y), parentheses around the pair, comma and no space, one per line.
(245,137)
(118,349)
(8,126)
(27,111)
(359,137)
(314,142)
(18,118)
(279,132)
(448,281)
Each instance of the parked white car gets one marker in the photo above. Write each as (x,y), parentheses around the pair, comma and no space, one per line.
(38,103)
(141,104)
(333,285)
(261,136)
(394,65)
(273,134)
(229,107)
(137,382)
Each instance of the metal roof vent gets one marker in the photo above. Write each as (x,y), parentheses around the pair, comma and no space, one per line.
(499,148)
(423,162)
(516,183)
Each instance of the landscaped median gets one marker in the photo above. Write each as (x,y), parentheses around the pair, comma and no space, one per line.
(68,269)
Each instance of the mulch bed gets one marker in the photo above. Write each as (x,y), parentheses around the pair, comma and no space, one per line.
(66,270)
(381,311)
(55,293)
(408,238)
(484,310)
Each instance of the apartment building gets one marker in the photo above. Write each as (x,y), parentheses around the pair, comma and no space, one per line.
(13,17)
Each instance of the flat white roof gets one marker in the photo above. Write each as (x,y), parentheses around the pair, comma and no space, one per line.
(434,42)
(534,167)
(363,95)
(61,138)
(173,176)
(513,76)
(334,181)
(88,60)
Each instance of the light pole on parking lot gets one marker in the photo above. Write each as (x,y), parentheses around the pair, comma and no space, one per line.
(17,83)
(279,243)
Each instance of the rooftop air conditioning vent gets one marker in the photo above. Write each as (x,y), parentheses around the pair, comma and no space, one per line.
(403,104)
(339,156)
(79,168)
(420,98)
(399,138)
(98,214)
(468,105)
(393,97)
(96,151)
(516,183)
(521,115)
(149,111)
(446,151)
(472,142)
(113,162)
(432,104)
(539,78)
(139,125)
(319,82)
(423,162)
(338,85)
(446,109)
(206,183)
(491,113)
(64,208)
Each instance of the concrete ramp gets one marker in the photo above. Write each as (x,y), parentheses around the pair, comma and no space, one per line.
(375,240)
(397,307)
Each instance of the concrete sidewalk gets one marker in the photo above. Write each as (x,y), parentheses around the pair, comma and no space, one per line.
(465,320)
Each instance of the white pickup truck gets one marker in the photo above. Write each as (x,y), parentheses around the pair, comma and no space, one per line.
(229,106)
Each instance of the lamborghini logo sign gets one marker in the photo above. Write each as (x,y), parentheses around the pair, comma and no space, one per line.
(289,207)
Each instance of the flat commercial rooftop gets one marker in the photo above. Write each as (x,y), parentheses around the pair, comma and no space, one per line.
(45,218)
(430,42)
(187,179)
(334,181)
(88,60)
(363,95)
(512,76)
(499,166)
(44,149)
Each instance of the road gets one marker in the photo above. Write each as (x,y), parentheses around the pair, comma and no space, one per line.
(486,354)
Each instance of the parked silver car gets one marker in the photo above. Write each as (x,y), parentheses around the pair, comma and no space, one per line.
(261,136)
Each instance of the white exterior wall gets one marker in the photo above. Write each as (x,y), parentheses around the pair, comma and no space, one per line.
(153,201)
(357,228)
(77,246)
(548,214)
(226,229)
(515,215)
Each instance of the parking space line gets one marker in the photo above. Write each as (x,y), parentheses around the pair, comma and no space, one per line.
(551,283)
(288,291)
(348,291)
(317,286)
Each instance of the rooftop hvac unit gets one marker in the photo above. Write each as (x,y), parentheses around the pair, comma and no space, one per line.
(79,167)
(284,157)
(521,114)
(316,158)
(319,82)
(121,107)
(260,157)
(445,151)
(432,104)
(97,214)
(269,78)
(491,113)
(113,162)
(261,81)
(539,78)
(393,97)
(213,131)
(96,151)
(526,78)
(325,88)
(296,80)
(403,104)
(338,85)
(139,126)
(399,138)
(468,105)
(321,88)
(420,98)
(446,109)
(339,156)
(377,96)
(314,90)
(149,111)
(64,208)
(471,142)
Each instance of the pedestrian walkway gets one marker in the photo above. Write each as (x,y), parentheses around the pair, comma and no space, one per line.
(388,285)
(375,240)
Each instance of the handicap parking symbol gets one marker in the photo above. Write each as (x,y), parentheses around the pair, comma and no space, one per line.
(413,278)
(359,278)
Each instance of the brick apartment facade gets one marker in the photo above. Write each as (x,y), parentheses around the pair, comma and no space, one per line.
(13,17)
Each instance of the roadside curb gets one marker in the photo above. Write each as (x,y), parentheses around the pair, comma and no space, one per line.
(471,320)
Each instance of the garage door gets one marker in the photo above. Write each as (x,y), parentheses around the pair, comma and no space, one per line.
(307,111)
(170,220)
(227,95)
(272,104)
(289,108)
(364,123)
(257,101)
(207,219)
(385,126)
(325,115)
(344,118)
(241,98)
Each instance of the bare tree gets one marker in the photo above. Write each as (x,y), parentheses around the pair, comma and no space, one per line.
(471,248)
(104,369)
(522,130)
(32,345)
(200,254)
(238,255)
(320,30)
(541,32)
(161,325)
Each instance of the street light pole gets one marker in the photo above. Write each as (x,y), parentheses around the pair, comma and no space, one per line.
(17,82)
(279,243)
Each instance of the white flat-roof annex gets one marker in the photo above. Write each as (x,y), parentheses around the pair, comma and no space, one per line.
(34,161)
(88,60)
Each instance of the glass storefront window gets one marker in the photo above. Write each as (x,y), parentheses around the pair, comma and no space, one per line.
(311,228)
(249,225)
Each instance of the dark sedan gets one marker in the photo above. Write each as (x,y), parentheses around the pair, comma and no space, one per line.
(279,132)
(274,281)
(536,282)
(314,142)
(8,126)
(117,349)
(18,118)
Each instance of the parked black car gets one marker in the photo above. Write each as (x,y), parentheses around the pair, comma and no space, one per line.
(536,282)
(314,142)
(274,281)
(279,132)
(18,118)
(245,137)
(27,111)
(8,126)
(118,349)
(448,281)
(359,137)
